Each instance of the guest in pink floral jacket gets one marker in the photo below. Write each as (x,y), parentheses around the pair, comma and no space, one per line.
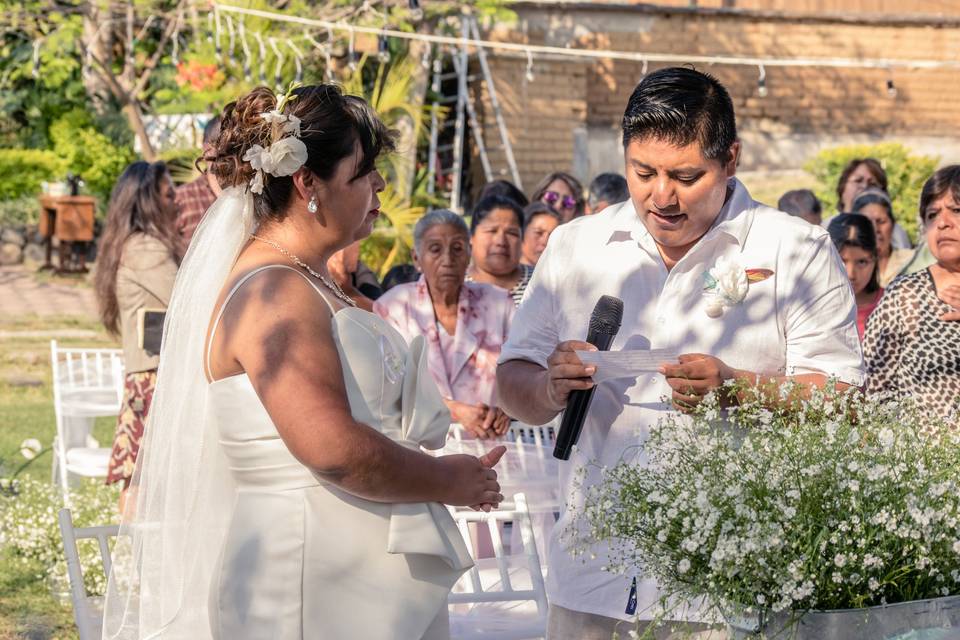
(465,323)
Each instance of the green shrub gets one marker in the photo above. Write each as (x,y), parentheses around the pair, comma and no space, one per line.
(22,171)
(22,211)
(906,174)
(375,250)
(180,163)
(90,154)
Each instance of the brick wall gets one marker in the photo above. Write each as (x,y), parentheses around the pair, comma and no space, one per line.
(567,118)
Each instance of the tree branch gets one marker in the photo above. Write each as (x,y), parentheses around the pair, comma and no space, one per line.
(151,64)
(102,70)
(129,59)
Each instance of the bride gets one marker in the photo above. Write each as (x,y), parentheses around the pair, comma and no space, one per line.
(281,491)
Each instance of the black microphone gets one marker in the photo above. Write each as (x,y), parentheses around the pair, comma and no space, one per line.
(604,325)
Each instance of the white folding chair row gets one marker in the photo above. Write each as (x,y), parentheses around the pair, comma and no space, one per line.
(87,610)
(87,384)
(502,597)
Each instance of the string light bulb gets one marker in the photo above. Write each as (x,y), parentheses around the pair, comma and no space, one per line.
(416,13)
(762,83)
(383,49)
(427,53)
(529,74)
(891,88)
(351,53)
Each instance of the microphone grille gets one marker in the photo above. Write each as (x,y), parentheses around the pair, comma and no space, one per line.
(607,315)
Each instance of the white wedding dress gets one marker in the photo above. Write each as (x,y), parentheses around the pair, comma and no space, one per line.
(303,559)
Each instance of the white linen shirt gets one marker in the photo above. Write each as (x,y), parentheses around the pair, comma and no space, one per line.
(802,319)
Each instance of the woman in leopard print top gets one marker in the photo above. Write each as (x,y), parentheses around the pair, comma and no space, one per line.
(912,343)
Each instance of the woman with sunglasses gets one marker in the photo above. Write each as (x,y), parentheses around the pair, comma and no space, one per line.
(563,192)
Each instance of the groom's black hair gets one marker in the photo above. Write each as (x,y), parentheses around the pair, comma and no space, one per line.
(681,105)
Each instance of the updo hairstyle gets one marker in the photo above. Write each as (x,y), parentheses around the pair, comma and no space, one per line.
(331,125)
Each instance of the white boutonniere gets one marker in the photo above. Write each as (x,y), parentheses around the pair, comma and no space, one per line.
(726,284)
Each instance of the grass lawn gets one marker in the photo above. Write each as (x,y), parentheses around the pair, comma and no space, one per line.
(27,608)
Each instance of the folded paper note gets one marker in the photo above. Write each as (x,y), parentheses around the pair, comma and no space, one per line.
(626,364)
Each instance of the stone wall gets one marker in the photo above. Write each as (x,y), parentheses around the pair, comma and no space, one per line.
(567,117)
(19,243)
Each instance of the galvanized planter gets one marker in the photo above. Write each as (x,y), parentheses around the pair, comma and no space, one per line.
(936,619)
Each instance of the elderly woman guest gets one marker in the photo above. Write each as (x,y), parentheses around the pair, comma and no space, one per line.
(541,221)
(912,345)
(136,267)
(496,232)
(875,204)
(465,323)
(856,242)
(861,174)
(563,192)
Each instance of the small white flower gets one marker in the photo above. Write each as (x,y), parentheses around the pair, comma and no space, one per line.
(274,117)
(683,566)
(292,126)
(30,447)
(886,438)
(256,184)
(257,156)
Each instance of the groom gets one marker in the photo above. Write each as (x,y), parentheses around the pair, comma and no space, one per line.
(794,321)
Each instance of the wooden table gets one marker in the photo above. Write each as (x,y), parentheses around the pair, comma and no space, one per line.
(70,219)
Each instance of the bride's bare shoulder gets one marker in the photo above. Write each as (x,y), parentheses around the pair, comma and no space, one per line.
(274,306)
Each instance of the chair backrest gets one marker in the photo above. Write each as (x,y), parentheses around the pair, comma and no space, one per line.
(470,588)
(529,458)
(84,613)
(84,378)
(87,383)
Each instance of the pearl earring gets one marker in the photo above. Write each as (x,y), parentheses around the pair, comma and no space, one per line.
(312,205)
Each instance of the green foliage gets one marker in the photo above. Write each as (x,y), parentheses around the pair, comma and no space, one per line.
(22,171)
(180,163)
(89,153)
(29,102)
(390,245)
(906,174)
(22,211)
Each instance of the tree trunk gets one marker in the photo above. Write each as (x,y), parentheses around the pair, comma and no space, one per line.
(407,143)
(135,119)
(99,42)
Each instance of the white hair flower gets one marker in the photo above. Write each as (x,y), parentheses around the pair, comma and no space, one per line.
(283,157)
(285,154)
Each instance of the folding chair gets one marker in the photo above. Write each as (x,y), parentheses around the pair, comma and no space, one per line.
(87,610)
(502,597)
(87,383)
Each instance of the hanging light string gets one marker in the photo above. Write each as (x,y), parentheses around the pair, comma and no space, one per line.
(572,52)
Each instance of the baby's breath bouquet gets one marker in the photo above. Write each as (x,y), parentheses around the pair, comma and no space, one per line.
(837,502)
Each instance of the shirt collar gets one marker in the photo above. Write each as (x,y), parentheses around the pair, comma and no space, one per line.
(733,220)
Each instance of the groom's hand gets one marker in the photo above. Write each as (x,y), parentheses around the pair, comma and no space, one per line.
(565,372)
(694,376)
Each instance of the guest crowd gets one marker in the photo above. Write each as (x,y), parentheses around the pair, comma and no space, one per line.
(470,273)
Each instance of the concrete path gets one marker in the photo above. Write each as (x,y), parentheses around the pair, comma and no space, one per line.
(22,294)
